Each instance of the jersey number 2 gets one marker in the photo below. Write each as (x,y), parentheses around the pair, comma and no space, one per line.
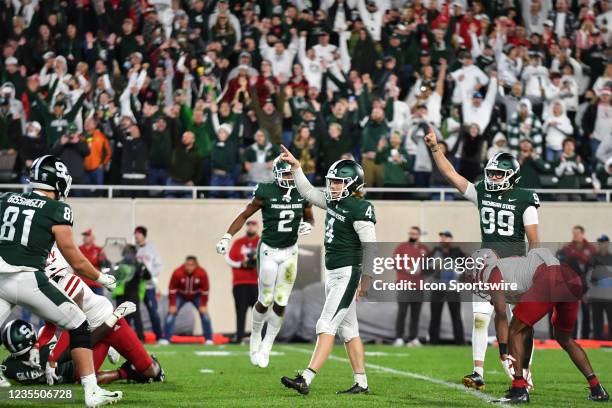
(286,216)
(7,230)
(503,225)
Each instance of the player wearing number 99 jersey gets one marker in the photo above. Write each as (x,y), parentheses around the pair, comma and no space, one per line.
(285,215)
(507,214)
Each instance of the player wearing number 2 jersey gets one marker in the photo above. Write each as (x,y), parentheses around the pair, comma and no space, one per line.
(349,227)
(507,214)
(29,224)
(285,216)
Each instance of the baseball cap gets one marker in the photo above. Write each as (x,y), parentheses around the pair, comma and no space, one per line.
(446,233)
(48,55)
(252,222)
(141,229)
(603,238)
(606,90)
(477,95)
(245,54)
(11,61)
(424,53)
(549,23)
(87,232)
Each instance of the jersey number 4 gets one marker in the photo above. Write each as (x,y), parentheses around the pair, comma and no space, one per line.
(501,223)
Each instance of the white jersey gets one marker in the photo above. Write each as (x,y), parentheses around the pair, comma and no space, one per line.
(97,308)
(516,269)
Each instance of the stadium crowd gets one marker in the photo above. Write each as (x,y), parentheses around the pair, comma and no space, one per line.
(200,92)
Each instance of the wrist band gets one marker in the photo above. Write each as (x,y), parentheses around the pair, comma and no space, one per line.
(503,349)
(436,147)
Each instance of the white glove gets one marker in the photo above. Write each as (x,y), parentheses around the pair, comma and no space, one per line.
(124,309)
(508,367)
(108,281)
(223,244)
(305,228)
(50,374)
(33,358)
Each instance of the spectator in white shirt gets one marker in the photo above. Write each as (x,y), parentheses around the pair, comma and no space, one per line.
(280,58)
(372,13)
(324,50)
(477,111)
(469,78)
(557,127)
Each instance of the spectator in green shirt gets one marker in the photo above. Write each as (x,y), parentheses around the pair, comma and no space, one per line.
(568,169)
(395,161)
(532,165)
(185,167)
(375,128)
(223,161)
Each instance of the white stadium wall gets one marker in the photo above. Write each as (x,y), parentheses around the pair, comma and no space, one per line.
(192,227)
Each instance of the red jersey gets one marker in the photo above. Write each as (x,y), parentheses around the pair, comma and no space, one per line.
(241,249)
(95,255)
(188,286)
(412,250)
(582,252)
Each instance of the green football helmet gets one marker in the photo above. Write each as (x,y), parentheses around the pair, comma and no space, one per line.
(347,171)
(18,336)
(280,169)
(503,164)
(50,173)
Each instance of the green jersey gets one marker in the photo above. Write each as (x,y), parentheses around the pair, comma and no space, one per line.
(342,244)
(25,227)
(15,368)
(501,218)
(281,214)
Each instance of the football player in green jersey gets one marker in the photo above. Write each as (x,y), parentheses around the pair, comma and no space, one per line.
(29,225)
(349,238)
(286,214)
(507,214)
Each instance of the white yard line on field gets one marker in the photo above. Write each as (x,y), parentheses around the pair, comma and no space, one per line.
(409,374)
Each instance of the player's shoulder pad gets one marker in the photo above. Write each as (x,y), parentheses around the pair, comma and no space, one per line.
(362,210)
(263,190)
(528,196)
(62,213)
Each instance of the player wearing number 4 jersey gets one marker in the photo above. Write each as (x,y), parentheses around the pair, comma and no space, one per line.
(350,237)
(507,214)
(30,224)
(285,215)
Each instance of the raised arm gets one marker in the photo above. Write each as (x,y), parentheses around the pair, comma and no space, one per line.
(307,190)
(445,167)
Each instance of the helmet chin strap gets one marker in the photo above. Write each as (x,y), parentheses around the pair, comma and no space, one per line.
(287,196)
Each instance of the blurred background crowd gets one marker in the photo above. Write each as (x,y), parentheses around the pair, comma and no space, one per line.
(201,92)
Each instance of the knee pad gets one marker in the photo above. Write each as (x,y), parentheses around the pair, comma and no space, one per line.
(481,321)
(346,334)
(80,337)
(266,298)
(72,316)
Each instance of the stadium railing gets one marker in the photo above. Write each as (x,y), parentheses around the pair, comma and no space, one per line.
(112,190)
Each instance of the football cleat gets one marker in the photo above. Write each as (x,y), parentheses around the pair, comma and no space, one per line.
(4,382)
(254,346)
(133,375)
(599,394)
(263,359)
(475,381)
(355,389)
(161,376)
(100,397)
(113,355)
(298,383)
(515,395)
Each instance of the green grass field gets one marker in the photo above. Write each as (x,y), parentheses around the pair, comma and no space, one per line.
(222,376)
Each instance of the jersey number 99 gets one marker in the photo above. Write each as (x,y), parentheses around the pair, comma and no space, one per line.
(502,224)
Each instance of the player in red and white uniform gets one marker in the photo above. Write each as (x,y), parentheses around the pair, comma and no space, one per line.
(108,326)
(542,285)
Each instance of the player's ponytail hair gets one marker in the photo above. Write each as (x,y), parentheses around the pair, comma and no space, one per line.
(358,194)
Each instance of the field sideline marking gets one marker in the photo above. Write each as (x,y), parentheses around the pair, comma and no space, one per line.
(478,394)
